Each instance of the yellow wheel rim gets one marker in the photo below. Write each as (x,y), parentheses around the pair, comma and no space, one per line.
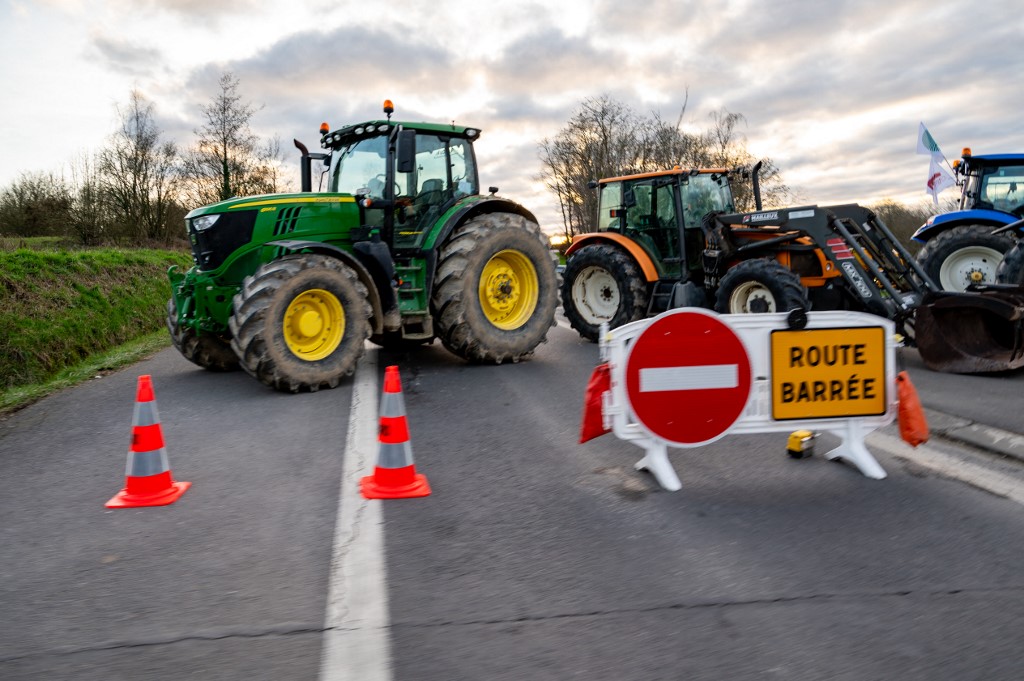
(314,324)
(509,289)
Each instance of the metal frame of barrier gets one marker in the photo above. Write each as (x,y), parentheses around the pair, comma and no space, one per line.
(754,332)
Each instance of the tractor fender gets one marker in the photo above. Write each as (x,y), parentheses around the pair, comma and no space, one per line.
(634,249)
(486,204)
(946,221)
(366,266)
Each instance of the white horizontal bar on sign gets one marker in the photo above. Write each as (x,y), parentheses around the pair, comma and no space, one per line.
(706,377)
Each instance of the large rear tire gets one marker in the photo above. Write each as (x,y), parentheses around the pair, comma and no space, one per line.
(300,323)
(969,254)
(601,285)
(496,289)
(758,286)
(1011,269)
(209,351)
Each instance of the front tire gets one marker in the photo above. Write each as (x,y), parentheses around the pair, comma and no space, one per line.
(602,285)
(759,286)
(496,289)
(300,323)
(1011,269)
(209,351)
(969,254)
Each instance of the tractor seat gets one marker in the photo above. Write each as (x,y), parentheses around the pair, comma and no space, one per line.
(431,193)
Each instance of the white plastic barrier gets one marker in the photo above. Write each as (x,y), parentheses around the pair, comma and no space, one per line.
(680,379)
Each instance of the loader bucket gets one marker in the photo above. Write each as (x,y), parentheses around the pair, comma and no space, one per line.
(972,332)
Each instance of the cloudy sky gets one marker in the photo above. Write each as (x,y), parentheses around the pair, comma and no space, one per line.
(832,91)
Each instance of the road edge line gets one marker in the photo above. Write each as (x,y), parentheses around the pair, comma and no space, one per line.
(356,641)
(950,467)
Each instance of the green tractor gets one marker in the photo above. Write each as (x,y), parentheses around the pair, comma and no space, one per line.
(402,248)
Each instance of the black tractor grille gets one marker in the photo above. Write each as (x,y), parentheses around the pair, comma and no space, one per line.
(211,247)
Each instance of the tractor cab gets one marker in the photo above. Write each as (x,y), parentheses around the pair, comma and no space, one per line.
(992,181)
(404,175)
(662,212)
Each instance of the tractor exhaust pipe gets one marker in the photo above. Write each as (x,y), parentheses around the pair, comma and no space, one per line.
(755,181)
(307,179)
(306,165)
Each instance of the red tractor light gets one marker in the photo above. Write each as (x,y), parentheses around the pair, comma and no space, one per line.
(324,128)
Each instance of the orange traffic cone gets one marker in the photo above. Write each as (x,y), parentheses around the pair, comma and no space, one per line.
(148,476)
(395,476)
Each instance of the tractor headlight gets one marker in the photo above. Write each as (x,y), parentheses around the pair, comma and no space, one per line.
(204,222)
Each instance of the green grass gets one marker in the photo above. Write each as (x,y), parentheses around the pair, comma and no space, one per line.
(99,365)
(66,316)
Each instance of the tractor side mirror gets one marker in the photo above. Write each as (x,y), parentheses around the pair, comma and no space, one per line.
(406,161)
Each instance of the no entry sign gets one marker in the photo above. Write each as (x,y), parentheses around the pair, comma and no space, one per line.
(687,377)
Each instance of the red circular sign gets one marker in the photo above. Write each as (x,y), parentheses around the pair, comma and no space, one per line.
(687,377)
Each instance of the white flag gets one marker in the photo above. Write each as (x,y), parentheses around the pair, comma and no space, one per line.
(926,143)
(938,178)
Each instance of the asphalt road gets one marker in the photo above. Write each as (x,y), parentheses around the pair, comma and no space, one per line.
(535,557)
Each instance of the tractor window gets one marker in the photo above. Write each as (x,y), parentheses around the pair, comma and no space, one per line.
(1002,188)
(610,205)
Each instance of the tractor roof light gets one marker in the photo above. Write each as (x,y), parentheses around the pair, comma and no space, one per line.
(966,152)
(472,133)
(389,108)
(324,128)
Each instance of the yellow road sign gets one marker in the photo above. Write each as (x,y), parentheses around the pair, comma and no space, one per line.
(823,373)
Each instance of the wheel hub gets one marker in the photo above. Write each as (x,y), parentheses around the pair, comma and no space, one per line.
(970,265)
(751,297)
(595,295)
(313,324)
(509,289)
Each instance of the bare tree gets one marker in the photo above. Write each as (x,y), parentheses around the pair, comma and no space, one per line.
(229,159)
(600,140)
(89,210)
(138,172)
(35,204)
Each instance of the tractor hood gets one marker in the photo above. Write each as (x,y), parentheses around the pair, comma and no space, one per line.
(264,201)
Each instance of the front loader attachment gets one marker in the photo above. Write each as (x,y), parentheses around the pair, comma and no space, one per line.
(980,330)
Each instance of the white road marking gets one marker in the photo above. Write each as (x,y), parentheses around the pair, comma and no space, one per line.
(706,377)
(950,467)
(357,643)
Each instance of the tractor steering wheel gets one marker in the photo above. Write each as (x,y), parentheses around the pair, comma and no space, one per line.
(383,179)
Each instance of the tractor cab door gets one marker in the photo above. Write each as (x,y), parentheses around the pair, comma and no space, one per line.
(442,171)
(652,220)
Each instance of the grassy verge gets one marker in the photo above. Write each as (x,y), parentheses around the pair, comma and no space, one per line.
(15,398)
(66,316)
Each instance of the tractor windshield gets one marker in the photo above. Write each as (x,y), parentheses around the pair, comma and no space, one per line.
(703,194)
(361,165)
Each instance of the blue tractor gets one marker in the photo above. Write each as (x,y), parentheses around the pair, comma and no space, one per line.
(967,246)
